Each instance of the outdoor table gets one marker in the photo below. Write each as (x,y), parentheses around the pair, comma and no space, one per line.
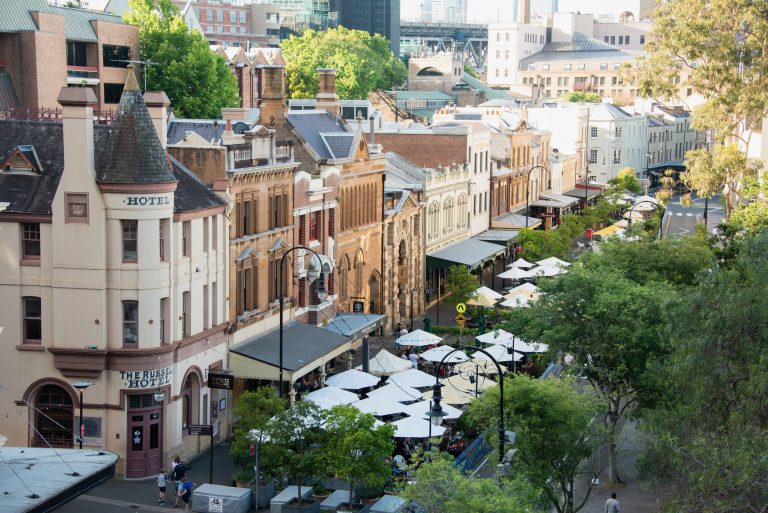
(211,498)
(286,496)
(334,500)
(388,504)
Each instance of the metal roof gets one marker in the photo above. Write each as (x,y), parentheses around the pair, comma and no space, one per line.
(580,43)
(490,93)
(423,95)
(17,17)
(313,126)
(470,252)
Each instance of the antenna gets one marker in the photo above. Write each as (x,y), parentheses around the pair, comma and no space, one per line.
(143,63)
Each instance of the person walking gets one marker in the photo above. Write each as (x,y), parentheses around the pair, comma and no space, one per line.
(162,482)
(186,492)
(612,505)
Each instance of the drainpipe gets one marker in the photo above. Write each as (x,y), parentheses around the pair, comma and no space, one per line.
(383,247)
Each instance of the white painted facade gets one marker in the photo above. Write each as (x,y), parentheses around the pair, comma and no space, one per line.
(508,44)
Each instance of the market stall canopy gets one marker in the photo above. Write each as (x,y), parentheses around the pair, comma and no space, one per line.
(393,392)
(547,271)
(380,407)
(421,410)
(527,347)
(510,220)
(465,384)
(525,287)
(451,396)
(470,252)
(438,353)
(488,292)
(553,261)
(385,363)
(412,378)
(414,427)
(521,263)
(517,274)
(482,300)
(494,337)
(517,302)
(419,338)
(646,198)
(352,380)
(634,215)
(499,353)
(327,397)
(610,231)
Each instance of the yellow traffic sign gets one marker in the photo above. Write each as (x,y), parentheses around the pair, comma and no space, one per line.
(460,319)
(461,308)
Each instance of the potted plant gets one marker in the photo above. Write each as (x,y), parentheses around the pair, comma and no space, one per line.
(357,452)
(297,440)
(252,412)
(320,492)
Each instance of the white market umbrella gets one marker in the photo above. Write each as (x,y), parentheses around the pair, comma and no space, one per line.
(393,392)
(517,302)
(451,396)
(414,427)
(330,396)
(419,338)
(412,378)
(552,261)
(438,353)
(421,410)
(465,384)
(643,207)
(521,263)
(529,347)
(646,198)
(548,271)
(379,407)
(385,364)
(623,223)
(482,300)
(634,215)
(530,288)
(488,292)
(517,274)
(494,337)
(499,353)
(352,380)
(478,365)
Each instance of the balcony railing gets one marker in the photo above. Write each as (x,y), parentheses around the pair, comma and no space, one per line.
(89,73)
(100,117)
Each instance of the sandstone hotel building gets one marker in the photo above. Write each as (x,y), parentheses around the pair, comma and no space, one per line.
(113,269)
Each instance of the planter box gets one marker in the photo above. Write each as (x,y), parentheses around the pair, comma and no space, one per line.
(261,494)
(306,506)
(288,495)
(357,508)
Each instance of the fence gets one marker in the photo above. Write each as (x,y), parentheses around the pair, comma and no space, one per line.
(51,115)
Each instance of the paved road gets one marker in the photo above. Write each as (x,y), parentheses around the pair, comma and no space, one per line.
(680,220)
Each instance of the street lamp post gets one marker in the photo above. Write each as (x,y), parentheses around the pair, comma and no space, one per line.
(81,386)
(528,181)
(655,205)
(586,175)
(322,293)
(413,291)
(436,412)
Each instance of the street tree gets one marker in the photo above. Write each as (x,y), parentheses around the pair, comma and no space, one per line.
(252,411)
(582,97)
(556,435)
(198,82)
(363,62)
(460,284)
(612,326)
(625,181)
(438,487)
(720,46)
(710,427)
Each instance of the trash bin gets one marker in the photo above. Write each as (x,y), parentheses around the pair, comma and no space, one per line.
(210,498)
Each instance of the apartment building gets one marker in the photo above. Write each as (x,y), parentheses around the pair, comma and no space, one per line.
(237,24)
(114,279)
(615,11)
(44,48)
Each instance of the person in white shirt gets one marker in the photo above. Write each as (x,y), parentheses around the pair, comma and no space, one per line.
(612,505)
(414,360)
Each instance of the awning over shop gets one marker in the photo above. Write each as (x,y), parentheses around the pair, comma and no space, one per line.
(305,347)
(578,193)
(354,325)
(470,252)
(567,200)
(511,220)
(498,236)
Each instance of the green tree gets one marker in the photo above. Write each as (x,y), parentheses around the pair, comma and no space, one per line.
(363,62)
(355,451)
(469,70)
(252,411)
(553,420)
(626,181)
(437,487)
(582,97)
(197,81)
(710,425)
(613,327)
(461,284)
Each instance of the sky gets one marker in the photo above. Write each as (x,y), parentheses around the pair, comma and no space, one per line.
(478,11)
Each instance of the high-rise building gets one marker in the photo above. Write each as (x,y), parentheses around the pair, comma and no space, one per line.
(544,7)
(299,14)
(373,16)
(452,11)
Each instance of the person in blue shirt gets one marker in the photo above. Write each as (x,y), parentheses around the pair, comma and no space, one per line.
(185,492)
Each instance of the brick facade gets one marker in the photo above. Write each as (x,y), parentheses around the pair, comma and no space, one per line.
(426,150)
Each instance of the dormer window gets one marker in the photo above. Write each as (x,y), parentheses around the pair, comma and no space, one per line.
(23,159)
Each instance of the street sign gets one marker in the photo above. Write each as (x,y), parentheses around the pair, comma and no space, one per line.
(460,319)
(461,308)
(221,381)
(200,429)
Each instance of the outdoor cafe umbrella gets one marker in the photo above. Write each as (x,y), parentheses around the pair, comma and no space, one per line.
(499,353)
(517,302)
(438,353)
(548,271)
(523,346)
(552,261)
(521,263)
(380,407)
(330,396)
(465,384)
(494,337)
(352,380)
(419,338)
(482,300)
(414,427)
(451,396)
(421,410)
(488,292)
(478,365)
(412,378)
(528,288)
(516,274)
(394,392)
(385,364)
(634,215)
(646,198)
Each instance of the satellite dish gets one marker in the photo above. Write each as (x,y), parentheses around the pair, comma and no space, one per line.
(240,127)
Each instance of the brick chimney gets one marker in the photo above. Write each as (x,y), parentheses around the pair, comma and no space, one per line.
(523,12)
(326,92)
(77,103)
(272,104)
(157,103)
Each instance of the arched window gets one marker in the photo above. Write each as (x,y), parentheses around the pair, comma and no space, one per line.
(54,417)
(190,400)
(434,221)
(448,215)
(429,72)
(462,219)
